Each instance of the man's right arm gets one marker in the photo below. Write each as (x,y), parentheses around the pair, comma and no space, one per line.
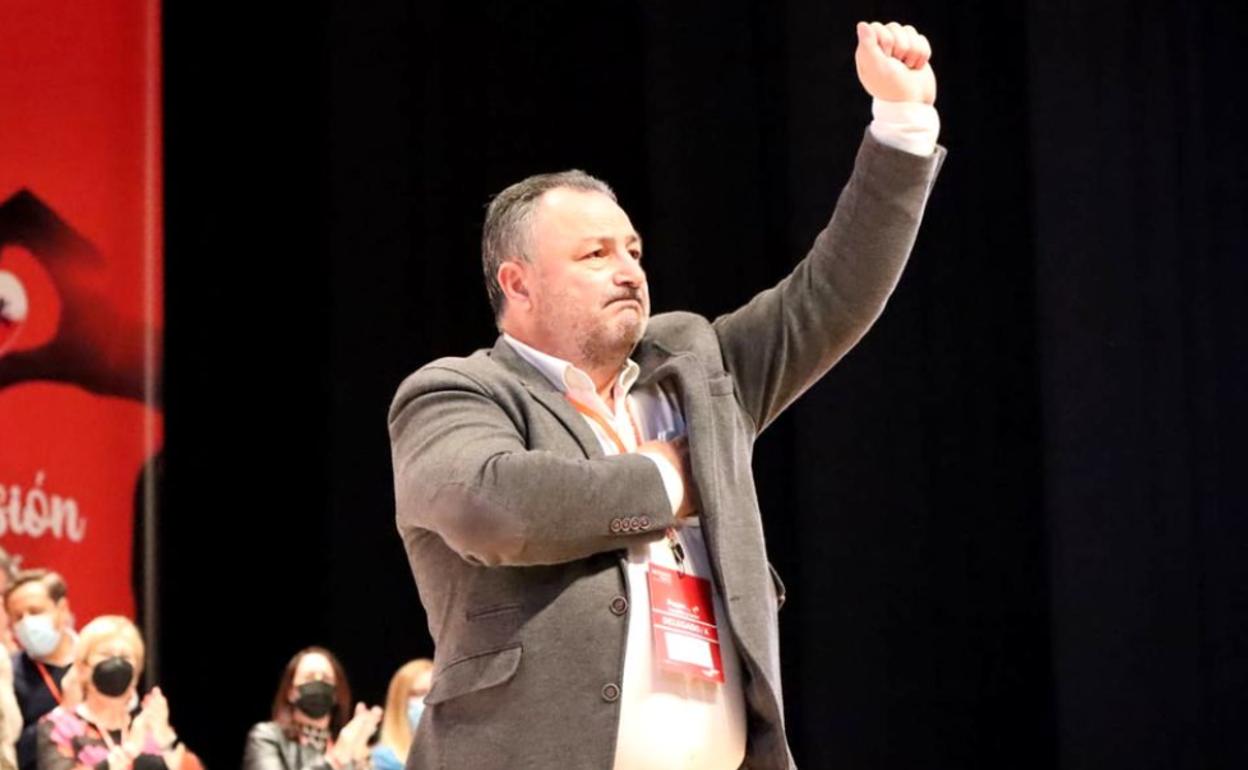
(463,470)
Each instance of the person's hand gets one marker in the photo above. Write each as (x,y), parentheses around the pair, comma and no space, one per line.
(368,720)
(676,452)
(173,758)
(58,318)
(153,718)
(352,742)
(893,63)
(118,759)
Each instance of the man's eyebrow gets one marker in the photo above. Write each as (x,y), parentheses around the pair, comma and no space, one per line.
(630,238)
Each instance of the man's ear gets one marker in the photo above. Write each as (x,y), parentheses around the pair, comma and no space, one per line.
(513,279)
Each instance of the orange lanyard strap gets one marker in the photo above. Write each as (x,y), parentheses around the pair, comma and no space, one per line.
(49,681)
(108,739)
(606,426)
(109,743)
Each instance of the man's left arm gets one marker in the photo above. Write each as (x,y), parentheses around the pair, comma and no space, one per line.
(786,337)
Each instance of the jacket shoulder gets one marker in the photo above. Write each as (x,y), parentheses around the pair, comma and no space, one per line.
(266,731)
(683,332)
(680,331)
(475,372)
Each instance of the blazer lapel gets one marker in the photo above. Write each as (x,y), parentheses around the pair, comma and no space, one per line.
(292,754)
(548,396)
(687,374)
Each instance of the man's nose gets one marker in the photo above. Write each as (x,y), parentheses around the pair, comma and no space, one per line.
(628,270)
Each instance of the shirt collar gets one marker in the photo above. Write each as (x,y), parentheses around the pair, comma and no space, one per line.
(568,378)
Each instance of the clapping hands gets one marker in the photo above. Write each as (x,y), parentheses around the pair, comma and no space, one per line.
(352,742)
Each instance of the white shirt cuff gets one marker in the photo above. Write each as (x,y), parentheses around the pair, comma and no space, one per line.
(672,482)
(910,126)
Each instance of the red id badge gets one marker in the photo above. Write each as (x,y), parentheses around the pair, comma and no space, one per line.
(686,639)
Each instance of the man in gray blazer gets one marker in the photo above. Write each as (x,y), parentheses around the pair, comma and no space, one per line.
(554,490)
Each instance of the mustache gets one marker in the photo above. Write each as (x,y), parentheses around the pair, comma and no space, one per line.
(633,294)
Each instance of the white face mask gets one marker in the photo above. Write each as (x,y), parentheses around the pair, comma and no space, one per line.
(38,635)
(415,708)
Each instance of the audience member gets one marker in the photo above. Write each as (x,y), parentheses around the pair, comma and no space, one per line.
(37,605)
(8,571)
(312,727)
(10,716)
(405,703)
(105,729)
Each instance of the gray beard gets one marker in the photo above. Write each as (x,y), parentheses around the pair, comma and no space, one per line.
(598,352)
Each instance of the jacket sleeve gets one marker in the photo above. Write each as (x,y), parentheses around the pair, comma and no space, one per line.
(788,336)
(462,470)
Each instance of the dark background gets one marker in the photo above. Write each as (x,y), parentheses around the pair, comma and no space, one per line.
(1011,521)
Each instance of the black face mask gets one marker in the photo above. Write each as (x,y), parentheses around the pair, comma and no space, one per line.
(316,699)
(112,676)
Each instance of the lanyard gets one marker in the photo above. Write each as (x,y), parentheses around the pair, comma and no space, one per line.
(673,541)
(105,736)
(108,739)
(606,426)
(49,681)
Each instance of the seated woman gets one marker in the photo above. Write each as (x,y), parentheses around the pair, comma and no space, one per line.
(405,702)
(98,722)
(310,729)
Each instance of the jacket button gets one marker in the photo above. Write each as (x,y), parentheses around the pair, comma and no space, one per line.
(615,526)
(635,522)
(610,692)
(645,522)
(619,605)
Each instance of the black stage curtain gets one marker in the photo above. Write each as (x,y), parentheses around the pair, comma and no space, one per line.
(1010,521)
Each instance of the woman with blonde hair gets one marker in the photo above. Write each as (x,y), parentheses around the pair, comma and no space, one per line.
(97,723)
(405,702)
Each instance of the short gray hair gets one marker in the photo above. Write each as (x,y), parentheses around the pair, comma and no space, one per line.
(508,222)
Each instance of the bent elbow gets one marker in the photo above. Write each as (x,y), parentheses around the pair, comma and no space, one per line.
(481,531)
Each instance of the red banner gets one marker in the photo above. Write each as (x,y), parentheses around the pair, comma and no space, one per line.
(80,288)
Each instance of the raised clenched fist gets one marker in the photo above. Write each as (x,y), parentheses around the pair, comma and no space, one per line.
(893,63)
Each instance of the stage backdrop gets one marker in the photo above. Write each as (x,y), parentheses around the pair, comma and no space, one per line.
(80,289)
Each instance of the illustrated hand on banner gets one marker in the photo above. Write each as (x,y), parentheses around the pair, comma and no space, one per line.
(56,319)
(69,459)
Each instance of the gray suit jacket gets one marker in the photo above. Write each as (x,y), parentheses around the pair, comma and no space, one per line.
(268,748)
(515,523)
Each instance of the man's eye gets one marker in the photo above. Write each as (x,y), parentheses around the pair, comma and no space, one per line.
(636,255)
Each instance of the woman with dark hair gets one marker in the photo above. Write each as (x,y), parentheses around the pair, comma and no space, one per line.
(313,727)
